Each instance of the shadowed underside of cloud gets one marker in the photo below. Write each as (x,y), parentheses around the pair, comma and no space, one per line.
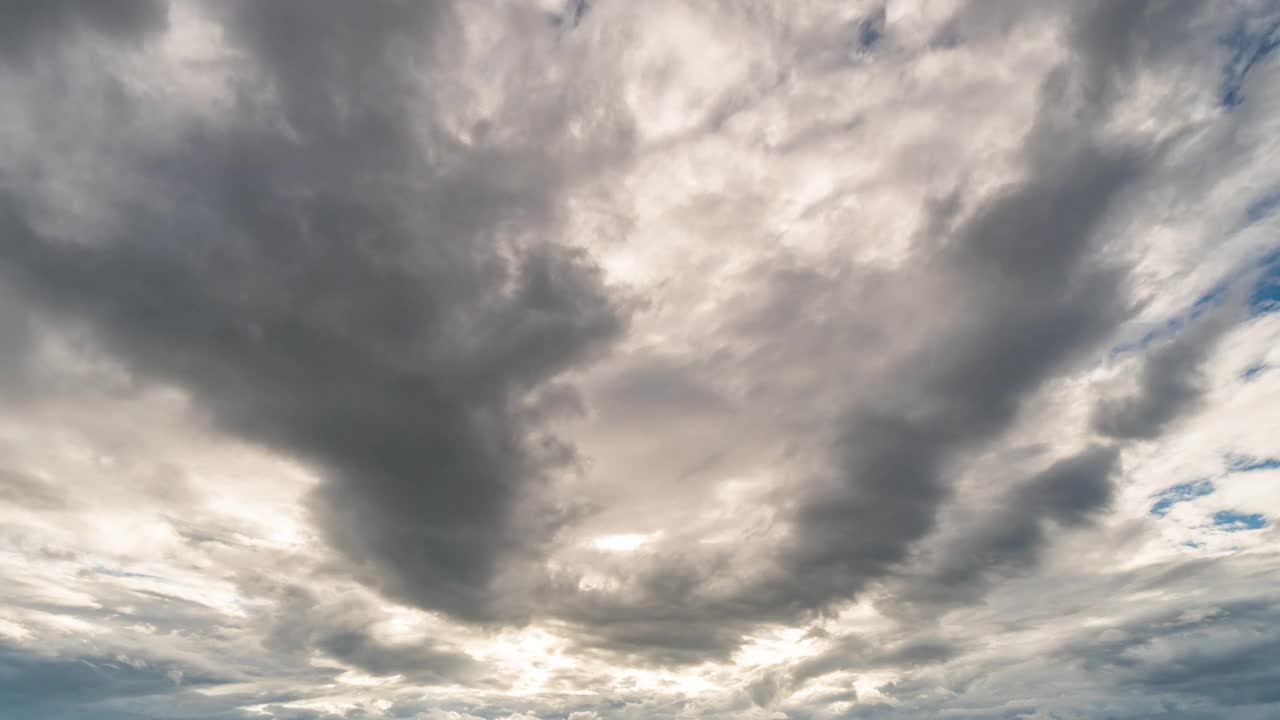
(327,290)
(32,25)
(1021,295)
(1011,538)
(969,387)
(1170,384)
(1227,654)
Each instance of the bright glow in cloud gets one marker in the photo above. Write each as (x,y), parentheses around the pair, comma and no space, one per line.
(624,542)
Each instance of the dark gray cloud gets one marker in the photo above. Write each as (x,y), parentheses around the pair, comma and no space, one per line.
(350,80)
(1071,490)
(1012,538)
(1221,657)
(335,289)
(29,26)
(1170,383)
(338,230)
(663,616)
(1025,298)
(1021,292)
(1117,39)
(358,647)
(303,624)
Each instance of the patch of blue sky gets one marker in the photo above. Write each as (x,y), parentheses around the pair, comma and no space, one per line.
(1252,372)
(1266,292)
(1232,521)
(1175,324)
(1248,48)
(1263,206)
(572,16)
(871,29)
(1249,463)
(1265,298)
(1183,492)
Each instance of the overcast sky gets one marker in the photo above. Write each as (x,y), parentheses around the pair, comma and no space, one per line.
(596,360)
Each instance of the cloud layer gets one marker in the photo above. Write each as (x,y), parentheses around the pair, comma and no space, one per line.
(598,360)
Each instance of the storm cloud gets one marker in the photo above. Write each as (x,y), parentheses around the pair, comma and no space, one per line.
(327,292)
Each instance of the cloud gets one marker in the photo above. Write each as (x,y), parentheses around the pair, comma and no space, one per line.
(29,28)
(1169,385)
(23,490)
(1023,297)
(333,298)
(915,350)
(1214,654)
(1067,493)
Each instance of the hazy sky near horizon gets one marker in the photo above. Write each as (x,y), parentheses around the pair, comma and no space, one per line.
(609,360)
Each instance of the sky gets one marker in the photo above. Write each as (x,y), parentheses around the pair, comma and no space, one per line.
(608,360)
